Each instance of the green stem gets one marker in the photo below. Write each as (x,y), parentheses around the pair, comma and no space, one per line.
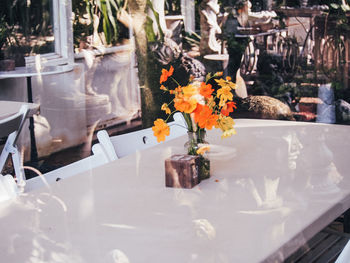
(188,121)
(177,83)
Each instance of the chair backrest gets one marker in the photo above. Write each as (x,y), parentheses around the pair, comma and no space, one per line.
(11,127)
(96,159)
(13,123)
(121,145)
(344,256)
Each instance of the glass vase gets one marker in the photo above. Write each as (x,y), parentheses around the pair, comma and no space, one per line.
(195,141)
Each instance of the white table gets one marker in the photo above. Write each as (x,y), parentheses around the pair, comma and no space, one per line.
(28,73)
(285,182)
(221,59)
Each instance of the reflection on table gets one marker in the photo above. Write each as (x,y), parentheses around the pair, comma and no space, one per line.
(28,73)
(279,184)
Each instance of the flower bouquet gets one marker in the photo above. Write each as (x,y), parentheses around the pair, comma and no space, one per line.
(202,108)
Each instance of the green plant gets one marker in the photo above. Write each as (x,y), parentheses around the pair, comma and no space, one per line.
(338,12)
(81,29)
(151,36)
(340,92)
(107,12)
(8,40)
(4,33)
(172,7)
(30,24)
(336,28)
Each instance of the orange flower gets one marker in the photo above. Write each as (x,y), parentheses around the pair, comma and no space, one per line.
(206,90)
(163,88)
(228,107)
(187,105)
(199,109)
(178,89)
(204,117)
(211,102)
(166,74)
(209,122)
(160,130)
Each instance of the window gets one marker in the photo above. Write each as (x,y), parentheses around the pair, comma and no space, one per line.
(39,27)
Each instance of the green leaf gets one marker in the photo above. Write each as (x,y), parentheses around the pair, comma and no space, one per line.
(115,4)
(151,37)
(207,77)
(111,20)
(106,30)
(156,15)
(89,9)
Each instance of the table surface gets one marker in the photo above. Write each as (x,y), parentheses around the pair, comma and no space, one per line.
(274,185)
(8,108)
(21,72)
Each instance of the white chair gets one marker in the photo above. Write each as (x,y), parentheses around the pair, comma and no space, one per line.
(11,127)
(121,145)
(344,256)
(96,159)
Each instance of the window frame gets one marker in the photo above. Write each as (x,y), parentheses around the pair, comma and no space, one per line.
(63,37)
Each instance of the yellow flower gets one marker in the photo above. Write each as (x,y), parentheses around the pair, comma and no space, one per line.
(228,133)
(224,94)
(166,108)
(225,123)
(222,102)
(160,130)
(226,83)
(203,149)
